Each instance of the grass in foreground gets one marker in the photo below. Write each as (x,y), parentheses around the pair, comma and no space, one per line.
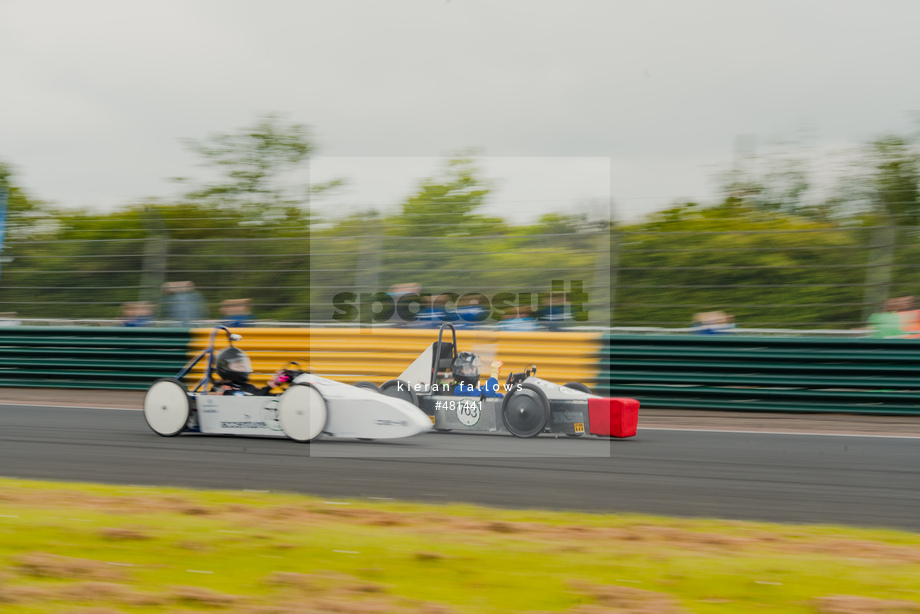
(107,549)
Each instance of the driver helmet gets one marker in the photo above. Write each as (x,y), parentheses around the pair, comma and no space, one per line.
(233,365)
(466,368)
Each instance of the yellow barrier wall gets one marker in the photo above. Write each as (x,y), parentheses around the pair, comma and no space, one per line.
(377,355)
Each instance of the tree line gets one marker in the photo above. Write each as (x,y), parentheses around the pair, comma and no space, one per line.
(765,251)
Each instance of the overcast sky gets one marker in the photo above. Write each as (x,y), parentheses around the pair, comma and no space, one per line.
(95,95)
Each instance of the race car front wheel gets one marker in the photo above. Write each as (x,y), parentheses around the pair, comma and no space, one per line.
(167,407)
(525,411)
(302,412)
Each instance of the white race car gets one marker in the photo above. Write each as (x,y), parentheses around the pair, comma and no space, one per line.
(311,407)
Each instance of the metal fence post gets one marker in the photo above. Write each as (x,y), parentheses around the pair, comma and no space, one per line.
(601,302)
(156,253)
(367,276)
(614,270)
(878,271)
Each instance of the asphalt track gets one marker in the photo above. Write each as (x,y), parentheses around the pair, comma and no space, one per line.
(855,480)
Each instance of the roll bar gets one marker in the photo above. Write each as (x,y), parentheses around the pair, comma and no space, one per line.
(436,352)
(209,352)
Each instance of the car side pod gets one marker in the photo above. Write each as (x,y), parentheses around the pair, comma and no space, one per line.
(613,417)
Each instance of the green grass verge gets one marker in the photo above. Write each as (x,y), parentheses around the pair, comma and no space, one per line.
(93,548)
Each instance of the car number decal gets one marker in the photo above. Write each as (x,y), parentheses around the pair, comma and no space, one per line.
(469,412)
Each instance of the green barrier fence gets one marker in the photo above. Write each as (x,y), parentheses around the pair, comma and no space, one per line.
(665,371)
(764,373)
(90,357)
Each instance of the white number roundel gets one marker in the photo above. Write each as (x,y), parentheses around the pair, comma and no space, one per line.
(468,413)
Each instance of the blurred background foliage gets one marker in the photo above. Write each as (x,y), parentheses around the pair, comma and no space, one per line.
(769,252)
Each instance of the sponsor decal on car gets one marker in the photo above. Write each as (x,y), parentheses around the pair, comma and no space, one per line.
(392,423)
(269,412)
(243,425)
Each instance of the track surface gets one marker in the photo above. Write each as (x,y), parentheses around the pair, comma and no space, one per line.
(855,480)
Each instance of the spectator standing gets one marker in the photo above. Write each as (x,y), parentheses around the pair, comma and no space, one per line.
(183,303)
(433,315)
(137,314)
(552,314)
(910,318)
(518,319)
(712,323)
(888,323)
(237,312)
(9,319)
(471,311)
(409,291)
(397,291)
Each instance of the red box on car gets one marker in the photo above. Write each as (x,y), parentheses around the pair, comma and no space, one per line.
(613,417)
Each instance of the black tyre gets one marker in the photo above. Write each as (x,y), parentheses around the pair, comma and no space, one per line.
(399,389)
(579,387)
(525,412)
(368,385)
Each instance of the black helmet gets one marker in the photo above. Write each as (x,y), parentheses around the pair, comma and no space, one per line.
(466,368)
(233,365)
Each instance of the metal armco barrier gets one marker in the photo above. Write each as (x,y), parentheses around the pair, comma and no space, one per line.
(90,357)
(713,372)
(377,355)
(764,374)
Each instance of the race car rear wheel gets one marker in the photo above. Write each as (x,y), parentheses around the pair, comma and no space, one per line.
(302,412)
(525,411)
(368,385)
(167,407)
(399,389)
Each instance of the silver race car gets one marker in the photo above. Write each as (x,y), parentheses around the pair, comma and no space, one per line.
(524,406)
(311,407)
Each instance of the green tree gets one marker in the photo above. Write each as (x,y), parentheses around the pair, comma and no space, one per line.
(772,181)
(888,187)
(768,269)
(446,205)
(894,186)
(878,185)
(23,211)
(87,264)
(254,166)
